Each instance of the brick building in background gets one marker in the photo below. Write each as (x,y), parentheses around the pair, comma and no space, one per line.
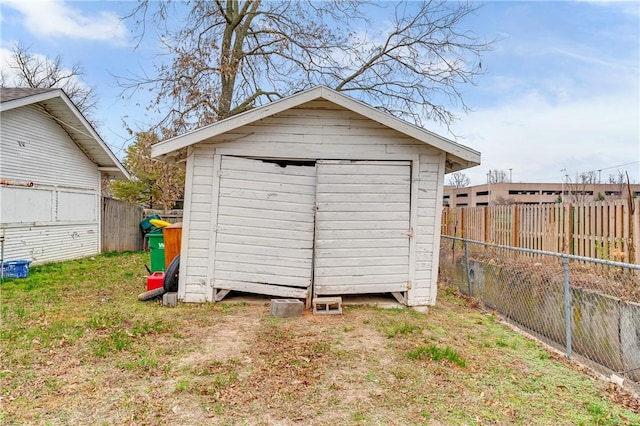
(534,193)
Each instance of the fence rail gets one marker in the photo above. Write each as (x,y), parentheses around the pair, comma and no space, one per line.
(121,226)
(588,308)
(603,230)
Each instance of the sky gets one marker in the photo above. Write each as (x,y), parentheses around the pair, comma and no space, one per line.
(560,94)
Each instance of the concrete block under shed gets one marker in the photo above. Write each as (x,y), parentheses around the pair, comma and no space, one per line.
(170,299)
(327,305)
(285,308)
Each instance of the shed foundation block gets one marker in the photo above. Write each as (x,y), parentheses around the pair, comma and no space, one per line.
(285,308)
(170,299)
(327,305)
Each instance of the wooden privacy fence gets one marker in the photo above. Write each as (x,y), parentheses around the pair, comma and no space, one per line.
(173,216)
(121,226)
(603,229)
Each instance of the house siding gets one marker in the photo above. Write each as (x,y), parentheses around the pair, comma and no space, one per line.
(58,217)
(36,148)
(313,131)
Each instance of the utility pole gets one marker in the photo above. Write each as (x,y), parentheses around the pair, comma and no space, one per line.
(510,180)
(562,194)
(489,188)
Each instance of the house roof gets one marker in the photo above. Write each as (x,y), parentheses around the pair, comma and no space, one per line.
(458,156)
(59,107)
(13,93)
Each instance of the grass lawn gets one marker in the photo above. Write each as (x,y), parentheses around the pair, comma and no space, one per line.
(77,347)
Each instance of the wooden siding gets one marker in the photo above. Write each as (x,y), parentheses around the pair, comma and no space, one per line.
(308,133)
(315,131)
(58,217)
(196,233)
(259,243)
(362,227)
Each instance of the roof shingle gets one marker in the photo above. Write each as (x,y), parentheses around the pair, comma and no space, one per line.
(13,93)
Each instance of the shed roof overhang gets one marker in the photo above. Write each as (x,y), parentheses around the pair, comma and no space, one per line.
(458,156)
(59,107)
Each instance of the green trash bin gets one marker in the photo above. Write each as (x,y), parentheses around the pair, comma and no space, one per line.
(147,228)
(156,248)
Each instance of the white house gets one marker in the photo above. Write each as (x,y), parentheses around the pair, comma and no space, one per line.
(52,164)
(313,195)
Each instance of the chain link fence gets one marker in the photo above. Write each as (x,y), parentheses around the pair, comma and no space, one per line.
(588,308)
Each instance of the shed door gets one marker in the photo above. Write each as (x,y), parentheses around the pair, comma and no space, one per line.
(264,241)
(362,227)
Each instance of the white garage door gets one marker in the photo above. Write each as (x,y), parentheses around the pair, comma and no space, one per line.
(362,227)
(264,240)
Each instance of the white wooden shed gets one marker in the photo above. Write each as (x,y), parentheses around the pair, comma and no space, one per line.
(313,195)
(52,165)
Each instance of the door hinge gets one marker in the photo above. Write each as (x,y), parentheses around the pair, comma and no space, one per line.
(409,285)
(410,233)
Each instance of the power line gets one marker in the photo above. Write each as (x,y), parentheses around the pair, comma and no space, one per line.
(590,171)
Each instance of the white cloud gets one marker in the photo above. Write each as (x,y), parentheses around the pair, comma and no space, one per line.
(629,7)
(9,75)
(12,78)
(538,138)
(59,19)
(558,101)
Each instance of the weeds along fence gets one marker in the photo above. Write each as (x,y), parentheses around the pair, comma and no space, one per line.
(605,229)
(588,308)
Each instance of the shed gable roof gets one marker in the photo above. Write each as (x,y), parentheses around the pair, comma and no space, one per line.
(59,107)
(458,156)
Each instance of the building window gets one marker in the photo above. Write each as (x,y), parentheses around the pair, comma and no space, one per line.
(523,192)
(480,193)
(462,195)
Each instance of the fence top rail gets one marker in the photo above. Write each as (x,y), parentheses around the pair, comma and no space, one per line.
(548,253)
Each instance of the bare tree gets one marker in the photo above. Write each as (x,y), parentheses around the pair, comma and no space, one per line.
(503,201)
(587,178)
(617,179)
(459,180)
(229,56)
(37,71)
(578,190)
(620,180)
(497,176)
